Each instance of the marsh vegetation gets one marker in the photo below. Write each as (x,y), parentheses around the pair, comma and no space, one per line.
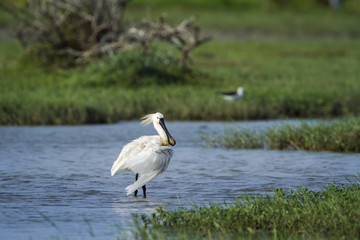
(291,64)
(295,59)
(337,136)
(112,90)
(331,213)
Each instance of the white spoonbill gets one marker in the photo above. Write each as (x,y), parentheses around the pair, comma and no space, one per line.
(147,156)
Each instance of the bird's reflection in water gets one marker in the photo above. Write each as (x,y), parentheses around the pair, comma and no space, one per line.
(130,204)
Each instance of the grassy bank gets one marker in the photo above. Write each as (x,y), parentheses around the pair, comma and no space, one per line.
(337,136)
(243,22)
(301,214)
(290,66)
(303,79)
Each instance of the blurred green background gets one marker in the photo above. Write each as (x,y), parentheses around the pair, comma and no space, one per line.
(295,59)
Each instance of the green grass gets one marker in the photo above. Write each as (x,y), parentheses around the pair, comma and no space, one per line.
(236,22)
(337,136)
(244,18)
(245,5)
(282,79)
(291,64)
(331,213)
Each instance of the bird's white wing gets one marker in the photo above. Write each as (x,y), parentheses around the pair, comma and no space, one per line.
(150,159)
(139,156)
(121,162)
(150,168)
(144,156)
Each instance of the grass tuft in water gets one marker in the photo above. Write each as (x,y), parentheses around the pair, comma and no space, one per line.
(330,213)
(55,226)
(337,136)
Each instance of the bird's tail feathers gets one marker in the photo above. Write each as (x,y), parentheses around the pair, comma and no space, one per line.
(143,179)
(117,166)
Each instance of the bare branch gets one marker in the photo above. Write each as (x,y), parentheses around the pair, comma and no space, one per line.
(87,29)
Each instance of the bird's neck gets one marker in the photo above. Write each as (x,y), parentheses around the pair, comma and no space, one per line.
(164,141)
(163,137)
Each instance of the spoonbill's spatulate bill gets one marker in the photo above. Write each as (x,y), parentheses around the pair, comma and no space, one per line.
(147,156)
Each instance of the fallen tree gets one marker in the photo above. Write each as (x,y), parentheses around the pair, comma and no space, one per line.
(79,31)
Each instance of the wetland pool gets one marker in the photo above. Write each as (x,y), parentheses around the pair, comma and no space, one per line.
(55,180)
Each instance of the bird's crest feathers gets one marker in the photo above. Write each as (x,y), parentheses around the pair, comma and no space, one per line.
(147,119)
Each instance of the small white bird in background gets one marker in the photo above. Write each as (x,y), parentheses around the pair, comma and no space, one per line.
(147,156)
(231,96)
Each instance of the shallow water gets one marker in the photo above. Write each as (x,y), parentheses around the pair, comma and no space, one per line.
(55,181)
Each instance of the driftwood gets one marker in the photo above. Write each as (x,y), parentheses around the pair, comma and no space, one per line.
(82,30)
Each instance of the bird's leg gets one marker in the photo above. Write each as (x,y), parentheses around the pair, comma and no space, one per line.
(136,178)
(144,190)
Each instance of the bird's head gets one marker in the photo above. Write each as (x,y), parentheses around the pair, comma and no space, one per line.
(240,91)
(158,121)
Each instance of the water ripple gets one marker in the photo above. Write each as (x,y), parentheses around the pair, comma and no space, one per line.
(63,173)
